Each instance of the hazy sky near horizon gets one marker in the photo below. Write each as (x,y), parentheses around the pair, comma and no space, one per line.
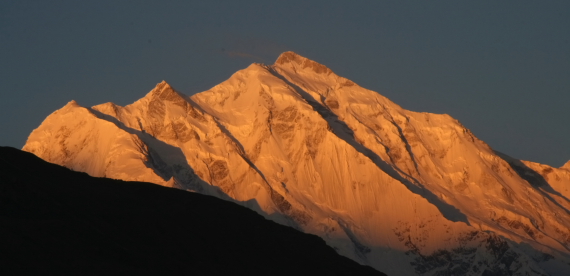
(502,68)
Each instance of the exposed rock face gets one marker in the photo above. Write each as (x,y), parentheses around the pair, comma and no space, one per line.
(405,192)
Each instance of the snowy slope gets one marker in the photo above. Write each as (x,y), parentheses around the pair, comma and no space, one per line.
(405,192)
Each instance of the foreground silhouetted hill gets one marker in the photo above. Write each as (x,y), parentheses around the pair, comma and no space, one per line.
(57,221)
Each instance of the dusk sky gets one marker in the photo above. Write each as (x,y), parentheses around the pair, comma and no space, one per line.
(502,68)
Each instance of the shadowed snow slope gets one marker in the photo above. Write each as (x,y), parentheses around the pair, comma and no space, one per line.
(405,192)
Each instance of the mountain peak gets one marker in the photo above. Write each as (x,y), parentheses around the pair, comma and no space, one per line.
(288,56)
(312,150)
(566,166)
(70,106)
(72,103)
(162,86)
(295,60)
(164,91)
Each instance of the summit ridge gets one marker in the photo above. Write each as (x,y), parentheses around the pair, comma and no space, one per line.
(407,193)
(297,60)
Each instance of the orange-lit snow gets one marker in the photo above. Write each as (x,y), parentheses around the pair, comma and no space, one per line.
(316,151)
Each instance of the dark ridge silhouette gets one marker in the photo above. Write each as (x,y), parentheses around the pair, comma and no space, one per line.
(54,221)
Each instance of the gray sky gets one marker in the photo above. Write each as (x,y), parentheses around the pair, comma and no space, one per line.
(502,68)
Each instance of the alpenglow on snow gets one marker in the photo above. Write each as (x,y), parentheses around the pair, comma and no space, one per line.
(405,192)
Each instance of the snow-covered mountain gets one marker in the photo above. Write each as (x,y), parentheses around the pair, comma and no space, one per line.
(405,192)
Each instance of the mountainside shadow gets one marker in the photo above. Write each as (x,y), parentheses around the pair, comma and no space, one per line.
(346,134)
(294,217)
(55,221)
(185,177)
(156,151)
(536,180)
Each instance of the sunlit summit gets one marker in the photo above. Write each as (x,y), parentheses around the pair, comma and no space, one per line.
(405,192)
